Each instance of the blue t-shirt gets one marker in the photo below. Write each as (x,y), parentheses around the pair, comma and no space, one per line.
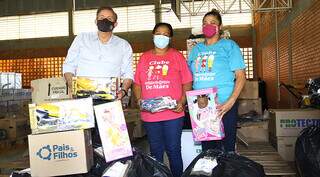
(214,66)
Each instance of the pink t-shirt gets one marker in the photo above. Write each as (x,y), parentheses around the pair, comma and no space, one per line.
(162,76)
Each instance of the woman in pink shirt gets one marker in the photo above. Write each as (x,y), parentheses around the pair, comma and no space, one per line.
(163,71)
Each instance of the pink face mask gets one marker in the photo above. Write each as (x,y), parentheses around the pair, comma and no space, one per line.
(210,30)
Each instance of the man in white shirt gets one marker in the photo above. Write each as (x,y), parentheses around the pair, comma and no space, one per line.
(100,54)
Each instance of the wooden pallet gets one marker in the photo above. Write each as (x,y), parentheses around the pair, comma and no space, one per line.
(268,157)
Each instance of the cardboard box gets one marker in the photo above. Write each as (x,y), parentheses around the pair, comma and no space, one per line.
(102,88)
(15,128)
(254,131)
(60,153)
(189,149)
(3,108)
(203,114)
(49,90)
(19,106)
(22,94)
(61,116)
(250,90)
(289,122)
(10,80)
(6,94)
(113,131)
(247,105)
(285,146)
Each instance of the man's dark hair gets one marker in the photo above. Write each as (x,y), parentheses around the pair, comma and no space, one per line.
(163,24)
(107,8)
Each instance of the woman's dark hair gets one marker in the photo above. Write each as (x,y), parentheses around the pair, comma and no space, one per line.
(216,13)
(163,24)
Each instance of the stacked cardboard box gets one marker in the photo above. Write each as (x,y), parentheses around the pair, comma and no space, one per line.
(60,143)
(14,113)
(285,126)
(49,89)
(249,98)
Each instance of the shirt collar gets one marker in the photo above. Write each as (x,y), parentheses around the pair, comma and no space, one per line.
(96,37)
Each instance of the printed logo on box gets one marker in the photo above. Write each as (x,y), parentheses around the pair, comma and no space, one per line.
(57,152)
(298,123)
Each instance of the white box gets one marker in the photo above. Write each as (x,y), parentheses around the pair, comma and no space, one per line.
(10,80)
(289,122)
(250,90)
(189,149)
(49,90)
(113,131)
(61,116)
(61,153)
(285,146)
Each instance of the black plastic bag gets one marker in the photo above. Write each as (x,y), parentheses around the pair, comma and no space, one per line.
(307,152)
(229,165)
(146,166)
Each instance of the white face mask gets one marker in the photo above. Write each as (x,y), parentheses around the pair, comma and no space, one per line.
(161,41)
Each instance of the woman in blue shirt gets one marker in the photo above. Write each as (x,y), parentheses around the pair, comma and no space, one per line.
(218,62)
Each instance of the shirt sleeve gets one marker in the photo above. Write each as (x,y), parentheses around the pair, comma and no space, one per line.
(185,73)
(191,56)
(71,62)
(138,70)
(126,66)
(236,61)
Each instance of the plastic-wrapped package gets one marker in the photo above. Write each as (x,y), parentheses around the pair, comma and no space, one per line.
(158,104)
(228,165)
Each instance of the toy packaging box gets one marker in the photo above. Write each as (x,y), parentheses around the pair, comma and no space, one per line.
(113,131)
(61,116)
(103,88)
(206,126)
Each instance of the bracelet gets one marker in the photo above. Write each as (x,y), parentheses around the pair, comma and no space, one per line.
(125,92)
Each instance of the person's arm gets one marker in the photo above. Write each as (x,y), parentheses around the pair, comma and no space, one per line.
(125,88)
(180,104)
(68,76)
(137,93)
(70,64)
(186,78)
(126,71)
(240,81)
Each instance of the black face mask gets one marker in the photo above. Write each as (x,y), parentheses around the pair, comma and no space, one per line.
(105,25)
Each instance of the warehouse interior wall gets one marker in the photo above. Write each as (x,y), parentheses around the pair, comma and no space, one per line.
(290,56)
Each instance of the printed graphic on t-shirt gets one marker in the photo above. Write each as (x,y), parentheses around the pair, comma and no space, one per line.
(204,66)
(156,75)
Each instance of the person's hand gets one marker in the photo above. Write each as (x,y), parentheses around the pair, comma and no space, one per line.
(224,108)
(179,107)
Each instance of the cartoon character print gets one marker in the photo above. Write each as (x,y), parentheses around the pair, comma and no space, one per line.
(150,72)
(204,63)
(197,63)
(210,62)
(155,71)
